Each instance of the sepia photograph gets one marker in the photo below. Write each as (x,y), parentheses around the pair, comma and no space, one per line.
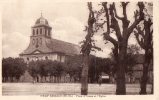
(77,48)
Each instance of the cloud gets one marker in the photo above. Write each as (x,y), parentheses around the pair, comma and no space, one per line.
(68,29)
(13,44)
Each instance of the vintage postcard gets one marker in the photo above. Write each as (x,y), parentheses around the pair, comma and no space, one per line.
(79,49)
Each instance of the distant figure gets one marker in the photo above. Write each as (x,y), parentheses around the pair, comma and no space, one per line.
(33,81)
(67,78)
(100,79)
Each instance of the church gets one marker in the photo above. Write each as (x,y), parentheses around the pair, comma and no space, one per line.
(42,46)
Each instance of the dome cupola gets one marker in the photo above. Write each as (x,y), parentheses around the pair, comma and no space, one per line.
(41,21)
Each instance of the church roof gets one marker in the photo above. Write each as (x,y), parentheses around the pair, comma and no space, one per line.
(53,46)
(63,47)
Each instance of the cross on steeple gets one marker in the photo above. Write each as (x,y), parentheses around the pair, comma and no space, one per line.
(41,14)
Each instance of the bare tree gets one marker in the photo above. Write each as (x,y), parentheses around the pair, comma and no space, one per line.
(120,45)
(87,46)
(144,39)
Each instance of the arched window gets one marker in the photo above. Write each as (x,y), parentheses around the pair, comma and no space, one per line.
(41,31)
(45,32)
(33,41)
(37,32)
(37,41)
(49,32)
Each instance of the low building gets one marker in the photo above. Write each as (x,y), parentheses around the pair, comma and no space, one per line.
(137,71)
(105,78)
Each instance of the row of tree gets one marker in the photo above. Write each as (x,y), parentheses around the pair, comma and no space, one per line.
(15,67)
(12,68)
(45,68)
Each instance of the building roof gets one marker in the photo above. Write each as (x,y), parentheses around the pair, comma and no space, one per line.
(63,47)
(42,20)
(53,46)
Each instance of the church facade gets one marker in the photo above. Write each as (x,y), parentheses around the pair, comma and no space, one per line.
(42,46)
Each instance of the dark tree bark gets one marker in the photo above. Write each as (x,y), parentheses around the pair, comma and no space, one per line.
(37,79)
(3,79)
(147,44)
(152,89)
(45,78)
(86,48)
(84,76)
(121,88)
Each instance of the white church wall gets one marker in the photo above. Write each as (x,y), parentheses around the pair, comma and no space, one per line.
(53,57)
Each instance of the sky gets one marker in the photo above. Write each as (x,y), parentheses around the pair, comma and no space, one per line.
(67,19)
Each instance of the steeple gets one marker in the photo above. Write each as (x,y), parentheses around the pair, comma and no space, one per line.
(41,27)
(41,14)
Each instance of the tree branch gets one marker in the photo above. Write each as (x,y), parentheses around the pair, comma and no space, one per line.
(140,42)
(114,23)
(107,34)
(124,4)
(141,32)
(116,15)
(137,20)
(109,38)
(104,4)
(151,32)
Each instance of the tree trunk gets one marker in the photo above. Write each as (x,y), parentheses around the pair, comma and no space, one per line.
(148,55)
(152,88)
(50,78)
(84,76)
(6,79)
(144,78)
(57,79)
(45,79)
(60,79)
(152,83)
(120,80)
(70,79)
(54,79)
(12,79)
(3,79)
(37,79)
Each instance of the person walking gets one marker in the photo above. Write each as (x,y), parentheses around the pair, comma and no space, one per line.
(100,79)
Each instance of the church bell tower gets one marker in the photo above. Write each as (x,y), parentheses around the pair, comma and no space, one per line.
(40,31)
